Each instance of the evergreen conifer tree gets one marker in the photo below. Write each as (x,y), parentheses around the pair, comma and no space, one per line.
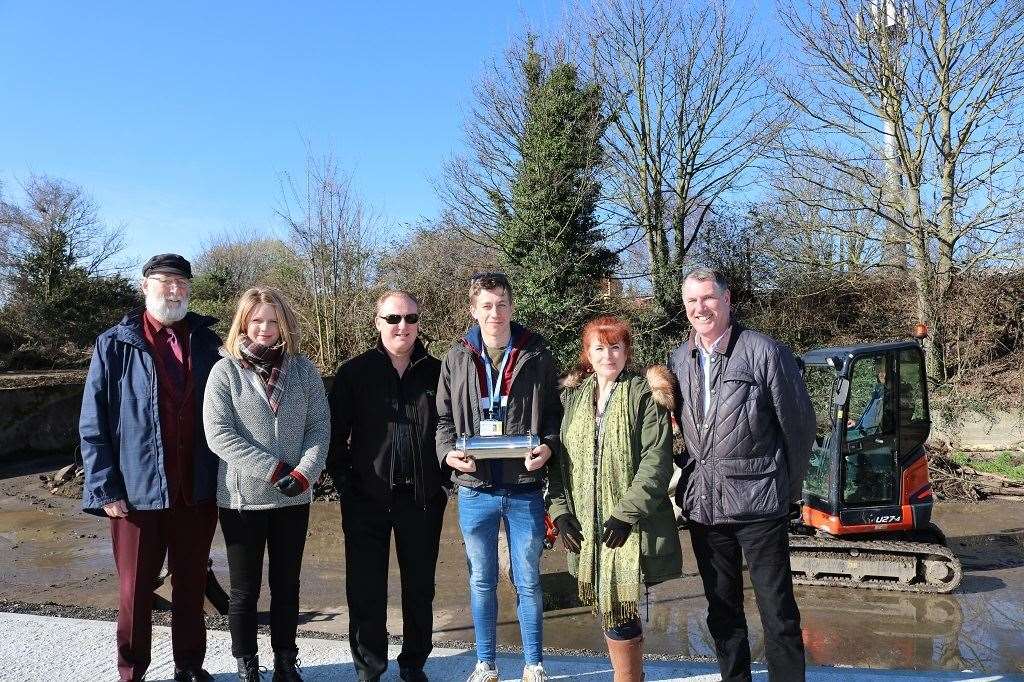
(549,237)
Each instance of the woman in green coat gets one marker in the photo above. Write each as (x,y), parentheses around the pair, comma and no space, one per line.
(608,493)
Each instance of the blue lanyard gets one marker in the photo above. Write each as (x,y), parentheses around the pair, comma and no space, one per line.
(494,388)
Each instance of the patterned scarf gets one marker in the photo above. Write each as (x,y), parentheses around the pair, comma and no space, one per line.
(268,363)
(609,580)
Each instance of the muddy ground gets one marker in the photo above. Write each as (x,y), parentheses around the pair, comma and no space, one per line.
(51,553)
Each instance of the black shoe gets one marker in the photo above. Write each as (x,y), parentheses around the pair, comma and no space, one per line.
(286,666)
(413,675)
(249,669)
(192,675)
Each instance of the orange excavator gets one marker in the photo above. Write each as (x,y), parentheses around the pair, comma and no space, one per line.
(865,517)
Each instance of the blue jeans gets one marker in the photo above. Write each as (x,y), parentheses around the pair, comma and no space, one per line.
(480,513)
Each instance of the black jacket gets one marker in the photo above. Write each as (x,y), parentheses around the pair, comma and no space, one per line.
(364,400)
(533,405)
(746,459)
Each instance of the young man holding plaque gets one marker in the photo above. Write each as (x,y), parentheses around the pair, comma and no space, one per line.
(500,380)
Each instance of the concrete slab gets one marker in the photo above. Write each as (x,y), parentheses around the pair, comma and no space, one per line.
(55,649)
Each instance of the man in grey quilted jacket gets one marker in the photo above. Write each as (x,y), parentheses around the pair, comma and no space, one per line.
(748,426)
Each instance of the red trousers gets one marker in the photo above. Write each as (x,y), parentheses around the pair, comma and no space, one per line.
(141,541)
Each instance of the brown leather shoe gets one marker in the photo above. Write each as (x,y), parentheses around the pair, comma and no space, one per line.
(627,658)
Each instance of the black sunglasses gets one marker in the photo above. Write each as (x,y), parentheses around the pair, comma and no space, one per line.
(411,318)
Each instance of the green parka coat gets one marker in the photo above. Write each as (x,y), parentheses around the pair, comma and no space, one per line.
(646,501)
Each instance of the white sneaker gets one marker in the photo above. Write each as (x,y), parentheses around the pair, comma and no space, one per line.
(484,672)
(534,673)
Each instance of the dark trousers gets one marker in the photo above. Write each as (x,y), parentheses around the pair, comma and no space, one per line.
(765,544)
(141,541)
(368,526)
(282,532)
(630,629)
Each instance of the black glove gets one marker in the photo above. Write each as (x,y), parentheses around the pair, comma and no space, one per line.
(289,486)
(615,533)
(571,531)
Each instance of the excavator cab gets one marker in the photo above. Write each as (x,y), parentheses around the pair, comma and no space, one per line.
(865,517)
(868,469)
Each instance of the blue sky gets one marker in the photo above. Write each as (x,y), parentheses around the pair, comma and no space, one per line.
(178,117)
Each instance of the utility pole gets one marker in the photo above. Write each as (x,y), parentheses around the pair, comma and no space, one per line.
(887,30)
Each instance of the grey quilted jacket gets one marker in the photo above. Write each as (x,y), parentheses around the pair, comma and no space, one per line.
(746,459)
(251,440)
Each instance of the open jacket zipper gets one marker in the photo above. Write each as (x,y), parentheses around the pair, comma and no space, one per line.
(419,492)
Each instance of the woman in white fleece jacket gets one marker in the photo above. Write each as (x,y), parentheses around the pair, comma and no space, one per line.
(266,417)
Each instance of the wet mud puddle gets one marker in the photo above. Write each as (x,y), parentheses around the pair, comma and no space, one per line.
(49,551)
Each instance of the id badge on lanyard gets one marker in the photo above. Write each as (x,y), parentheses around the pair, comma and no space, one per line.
(494,404)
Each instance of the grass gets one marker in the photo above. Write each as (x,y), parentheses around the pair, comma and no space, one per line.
(1008,464)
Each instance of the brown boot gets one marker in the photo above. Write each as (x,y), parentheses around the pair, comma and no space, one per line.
(627,658)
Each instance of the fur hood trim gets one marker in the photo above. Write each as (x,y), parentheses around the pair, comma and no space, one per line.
(659,378)
(663,386)
(573,379)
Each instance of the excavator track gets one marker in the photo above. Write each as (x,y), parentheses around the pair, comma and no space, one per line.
(917,567)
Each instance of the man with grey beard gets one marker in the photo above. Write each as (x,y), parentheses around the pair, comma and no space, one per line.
(147,465)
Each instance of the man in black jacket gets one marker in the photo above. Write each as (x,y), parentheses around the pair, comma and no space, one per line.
(748,426)
(383,420)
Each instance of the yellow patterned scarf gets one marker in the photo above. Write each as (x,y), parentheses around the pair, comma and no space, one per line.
(609,580)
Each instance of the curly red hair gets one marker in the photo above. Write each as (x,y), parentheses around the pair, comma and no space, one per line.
(606,329)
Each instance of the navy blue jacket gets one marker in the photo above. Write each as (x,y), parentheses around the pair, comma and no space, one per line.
(122,450)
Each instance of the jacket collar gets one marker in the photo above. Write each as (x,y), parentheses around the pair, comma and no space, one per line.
(419,351)
(524,345)
(474,340)
(723,347)
(129,329)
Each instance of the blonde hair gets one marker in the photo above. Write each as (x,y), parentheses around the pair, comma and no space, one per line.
(287,323)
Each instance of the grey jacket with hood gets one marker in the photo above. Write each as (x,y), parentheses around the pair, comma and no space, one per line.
(746,459)
(533,404)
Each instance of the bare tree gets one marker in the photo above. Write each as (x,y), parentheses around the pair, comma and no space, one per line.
(60,282)
(919,102)
(335,235)
(56,228)
(845,237)
(6,233)
(688,90)
(435,263)
(231,262)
